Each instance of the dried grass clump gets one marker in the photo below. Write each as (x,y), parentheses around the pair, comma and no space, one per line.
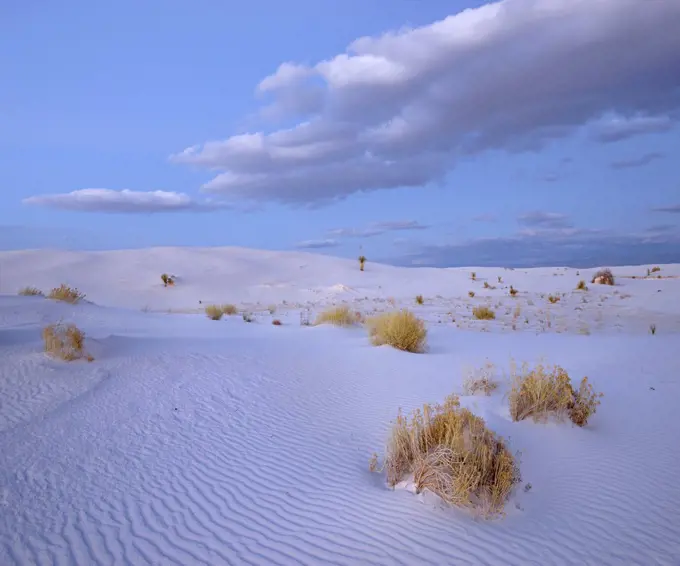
(66,342)
(513,292)
(451,452)
(31,292)
(655,269)
(603,277)
(553,299)
(419,300)
(471,294)
(483,312)
(214,312)
(229,309)
(543,390)
(362,262)
(402,330)
(66,294)
(276,322)
(481,381)
(339,316)
(168,280)
(581,286)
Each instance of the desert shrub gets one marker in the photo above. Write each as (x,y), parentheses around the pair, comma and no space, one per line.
(500,279)
(553,299)
(214,312)
(419,300)
(480,381)
(543,390)
(31,292)
(513,292)
(652,328)
(66,294)
(276,322)
(655,269)
(362,262)
(471,294)
(603,277)
(581,286)
(168,280)
(450,451)
(483,312)
(339,316)
(473,275)
(66,342)
(401,330)
(229,309)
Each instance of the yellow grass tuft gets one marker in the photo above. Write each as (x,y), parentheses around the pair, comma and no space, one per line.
(471,294)
(655,269)
(31,292)
(229,309)
(66,294)
(553,299)
(450,451)
(604,277)
(339,316)
(214,312)
(483,312)
(401,329)
(543,390)
(66,342)
(581,286)
(419,300)
(513,292)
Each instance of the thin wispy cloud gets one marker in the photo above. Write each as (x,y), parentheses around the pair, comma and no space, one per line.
(672,208)
(634,162)
(544,220)
(317,244)
(400,109)
(377,228)
(124,201)
(618,128)
(486,217)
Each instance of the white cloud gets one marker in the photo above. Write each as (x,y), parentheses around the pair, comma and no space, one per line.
(400,109)
(126,201)
(378,228)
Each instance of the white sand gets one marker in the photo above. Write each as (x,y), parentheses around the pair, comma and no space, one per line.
(190,441)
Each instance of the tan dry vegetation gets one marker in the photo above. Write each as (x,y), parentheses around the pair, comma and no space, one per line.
(450,451)
(66,342)
(545,390)
(30,292)
(513,292)
(553,299)
(581,286)
(480,381)
(214,312)
(483,312)
(420,300)
(229,309)
(338,316)
(276,322)
(66,294)
(603,277)
(401,329)
(471,294)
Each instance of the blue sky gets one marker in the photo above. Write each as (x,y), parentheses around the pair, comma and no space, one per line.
(517,133)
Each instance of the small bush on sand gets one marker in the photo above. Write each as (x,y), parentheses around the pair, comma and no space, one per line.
(581,286)
(229,309)
(655,269)
(66,294)
(339,316)
(473,276)
(513,292)
(480,381)
(168,280)
(66,342)
(652,328)
(276,322)
(362,262)
(541,391)
(603,277)
(402,330)
(483,312)
(471,294)
(214,312)
(31,292)
(419,300)
(451,452)
(553,299)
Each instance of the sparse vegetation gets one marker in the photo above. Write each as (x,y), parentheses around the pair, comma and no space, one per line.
(513,292)
(276,322)
(450,451)
(473,276)
(581,286)
(652,329)
(168,280)
(471,294)
(480,381)
(603,277)
(31,292)
(339,316)
(420,300)
(66,342)
(483,312)
(655,269)
(552,299)
(229,309)
(214,312)
(247,317)
(401,330)
(362,262)
(543,390)
(500,279)
(66,294)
